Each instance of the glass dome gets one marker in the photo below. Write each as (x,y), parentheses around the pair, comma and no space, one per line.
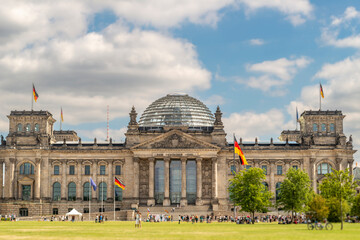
(177,110)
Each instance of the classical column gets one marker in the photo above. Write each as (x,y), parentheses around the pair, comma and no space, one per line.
(79,186)
(94,194)
(198,182)
(313,173)
(63,180)
(183,201)
(151,200)
(167,181)
(351,162)
(12,185)
(110,180)
(136,179)
(272,178)
(214,179)
(37,178)
(287,165)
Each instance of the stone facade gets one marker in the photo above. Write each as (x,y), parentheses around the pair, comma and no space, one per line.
(34,161)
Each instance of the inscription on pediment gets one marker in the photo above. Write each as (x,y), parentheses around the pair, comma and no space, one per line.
(176,141)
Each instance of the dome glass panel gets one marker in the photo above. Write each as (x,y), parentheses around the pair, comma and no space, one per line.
(177,110)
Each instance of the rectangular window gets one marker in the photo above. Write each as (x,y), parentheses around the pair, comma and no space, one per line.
(72,170)
(56,170)
(279,170)
(264,168)
(248,167)
(295,167)
(102,170)
(233,169)
(118,170)
(101,209)
(55,211)
(87,170)
(86,210)
(23,212)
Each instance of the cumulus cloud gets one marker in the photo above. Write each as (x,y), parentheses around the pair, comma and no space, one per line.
(256,42)
(117,135)
(274,75)
(297,12)
(249,125)
(342,26)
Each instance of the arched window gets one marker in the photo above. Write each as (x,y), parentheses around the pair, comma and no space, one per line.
(28,127)
(332,127)
(87,191)
(278,184)
(72,191)
(323,127)
(102,191)
(56,191)
(324,168)
(315,127)
(27,169)
(266,185)
(118,193)
(36,128)
(19,127)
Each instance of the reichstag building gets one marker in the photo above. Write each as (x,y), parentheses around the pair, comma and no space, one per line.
(175,154)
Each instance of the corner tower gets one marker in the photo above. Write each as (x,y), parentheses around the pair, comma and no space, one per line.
(30,128)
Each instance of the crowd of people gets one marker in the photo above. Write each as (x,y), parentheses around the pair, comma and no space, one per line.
(10,217)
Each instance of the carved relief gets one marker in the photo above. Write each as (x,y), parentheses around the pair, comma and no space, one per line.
(206,169)
(143,179)
(175,141)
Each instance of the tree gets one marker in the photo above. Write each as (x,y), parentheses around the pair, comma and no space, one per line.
(295,191)
(247,191)
(318,208)
(355,209)
(335,211)
(338,185)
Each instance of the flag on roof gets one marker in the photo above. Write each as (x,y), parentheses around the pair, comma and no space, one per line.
(36,95)
(238,151)
(321,91)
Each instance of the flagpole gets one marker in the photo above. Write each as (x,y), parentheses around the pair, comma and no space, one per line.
(60,119)
(320,94)
(114,201)
(90,193)
(102,195)
(32,98)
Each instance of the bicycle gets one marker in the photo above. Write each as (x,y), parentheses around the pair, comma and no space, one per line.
(327,226)
(310,225)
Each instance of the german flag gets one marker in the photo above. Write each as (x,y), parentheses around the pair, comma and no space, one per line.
(62,116)
(321,91)
(36,96)
(119,183)
(238,151)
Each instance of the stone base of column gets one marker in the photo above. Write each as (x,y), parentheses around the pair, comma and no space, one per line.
(215,204)
(199,202)
(134,206)
(166,202)
(150,202)
(183,202)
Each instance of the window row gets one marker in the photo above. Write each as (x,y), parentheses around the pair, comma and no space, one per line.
(279,169)
(87,170)
(19,127)
(87,192)
(277,188)
(323,127)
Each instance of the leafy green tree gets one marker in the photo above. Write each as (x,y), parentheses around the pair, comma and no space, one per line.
(295,191)
(355,209)
(335,211)
(338,185)
(318,208)
(247,191)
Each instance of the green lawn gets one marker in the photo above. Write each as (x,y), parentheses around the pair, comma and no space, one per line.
(166,230)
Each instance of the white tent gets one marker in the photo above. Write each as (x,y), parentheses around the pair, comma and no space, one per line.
(73,213)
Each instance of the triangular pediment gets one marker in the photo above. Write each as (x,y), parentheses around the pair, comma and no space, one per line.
(175,139)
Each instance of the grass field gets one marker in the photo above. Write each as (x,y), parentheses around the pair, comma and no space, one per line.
(167,230)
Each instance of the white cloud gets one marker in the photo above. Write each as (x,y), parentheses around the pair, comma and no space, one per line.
(249,125)
(216,100)
(297,12)
(274,74)
(343,26)
(117,135)
(256,42)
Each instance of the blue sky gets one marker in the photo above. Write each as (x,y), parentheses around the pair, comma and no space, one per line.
(257,59)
